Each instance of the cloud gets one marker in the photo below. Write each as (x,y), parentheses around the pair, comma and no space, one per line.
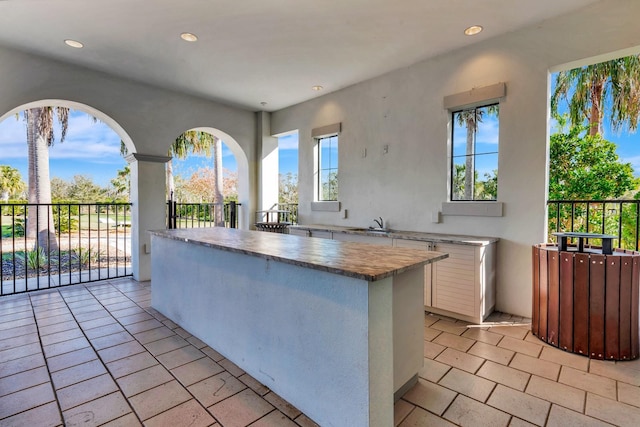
(288,142)
(635,163)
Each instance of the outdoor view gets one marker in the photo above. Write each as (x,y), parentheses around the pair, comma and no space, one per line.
(67,172)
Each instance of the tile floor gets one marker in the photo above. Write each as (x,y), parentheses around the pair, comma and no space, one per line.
(97,354)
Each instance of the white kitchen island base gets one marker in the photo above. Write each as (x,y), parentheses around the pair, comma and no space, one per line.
(334,346)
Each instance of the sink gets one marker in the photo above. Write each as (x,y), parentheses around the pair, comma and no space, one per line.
(371,230)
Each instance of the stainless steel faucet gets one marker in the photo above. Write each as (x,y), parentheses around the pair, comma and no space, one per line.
(380,222)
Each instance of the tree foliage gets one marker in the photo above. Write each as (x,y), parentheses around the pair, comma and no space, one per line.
(586,167)
(11,184)
(288,188)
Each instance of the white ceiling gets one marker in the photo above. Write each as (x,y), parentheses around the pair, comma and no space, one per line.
(253,51)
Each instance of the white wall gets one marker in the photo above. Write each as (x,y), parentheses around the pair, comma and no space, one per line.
(404,109)
(148,119)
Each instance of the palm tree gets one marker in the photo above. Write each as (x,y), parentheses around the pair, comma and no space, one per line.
(199,142)
(10,182)
(617,80)
(39,138)
(470,119)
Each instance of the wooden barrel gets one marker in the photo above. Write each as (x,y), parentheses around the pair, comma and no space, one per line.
(586,302)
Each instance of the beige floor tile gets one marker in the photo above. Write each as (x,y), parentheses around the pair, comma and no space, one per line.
(460,360)
(212,353)
(253,384)
(196,342)
(23,380)
(144,380)
(429,396)
(602,386)
(22,364)
(127,420)
(421,418)
(524,406)
(145,325)
(92,315)
(86,391)
(111,340)
(617,371)
(304,421)
(483,335)
(629,394)
(129,365)
(62,336)
(166,345)
(274,419)
(468,412)
(19,341)
(401,410)
(58,327)
(432,350)
(563,417)
(78,373)
(535,366)
(159,399)
(102,331)
(454,341)
(520,346)
(282,405)
(554,392)
(562,357)
(135,318)
(216,388)
(430,334)
(19,352)
(613,412)
(510,331)
(26,399)
(73,358)
(197,370)
(504,375)
(432,370)
(190,413)
(99,411)
(65,347)
(98,323)
(491,352)
(47,415)
(180,356)
(517,422)
(241,409)
(182,333)
(154,335)
(470,385)
(231,367)
(120,351)
(449,326)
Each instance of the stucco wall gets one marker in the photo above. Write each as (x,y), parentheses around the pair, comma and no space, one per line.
(404,109)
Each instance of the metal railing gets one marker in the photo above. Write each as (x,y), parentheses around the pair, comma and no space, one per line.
(293,211)
(70,243)
(195,215)
(620,218)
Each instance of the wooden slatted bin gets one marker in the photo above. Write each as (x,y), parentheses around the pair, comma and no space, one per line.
(586,302)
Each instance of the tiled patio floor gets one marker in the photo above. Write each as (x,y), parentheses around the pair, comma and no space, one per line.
(97,354)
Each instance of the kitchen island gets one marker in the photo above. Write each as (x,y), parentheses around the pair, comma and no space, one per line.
(335,328)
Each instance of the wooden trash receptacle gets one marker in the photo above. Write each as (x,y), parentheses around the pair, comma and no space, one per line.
(587,302)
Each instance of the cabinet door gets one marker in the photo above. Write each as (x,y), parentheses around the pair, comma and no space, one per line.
(299,232)
(320,234)
(454,280)
(415,244)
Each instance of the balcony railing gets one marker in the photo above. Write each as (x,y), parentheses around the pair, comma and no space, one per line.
(71,243)
(620,218)
(195,215)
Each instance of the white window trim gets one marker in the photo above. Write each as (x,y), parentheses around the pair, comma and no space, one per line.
(317,134)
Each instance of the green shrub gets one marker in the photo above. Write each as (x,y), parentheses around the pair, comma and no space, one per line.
(36,259)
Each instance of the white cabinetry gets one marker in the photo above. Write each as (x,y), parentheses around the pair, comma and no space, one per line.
(374,240)
(416,244)
(299,232)
(463,285)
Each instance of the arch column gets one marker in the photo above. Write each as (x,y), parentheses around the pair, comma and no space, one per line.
(148,208)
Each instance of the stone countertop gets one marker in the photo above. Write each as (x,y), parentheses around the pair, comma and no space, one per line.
(355,260)
(406,235)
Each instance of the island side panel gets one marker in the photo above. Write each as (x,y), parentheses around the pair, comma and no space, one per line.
(303,333)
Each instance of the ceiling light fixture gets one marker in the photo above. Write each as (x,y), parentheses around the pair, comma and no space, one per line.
(317,88)
(73,43)
(189,37)
(473,30)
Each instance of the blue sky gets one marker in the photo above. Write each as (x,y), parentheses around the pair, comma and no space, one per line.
(93,149)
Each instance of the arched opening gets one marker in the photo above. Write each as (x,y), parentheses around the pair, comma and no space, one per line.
(63,231)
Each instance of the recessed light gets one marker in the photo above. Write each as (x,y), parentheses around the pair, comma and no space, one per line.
(317,88)
(473,30)
(263,103)
(189,37)
(73,43)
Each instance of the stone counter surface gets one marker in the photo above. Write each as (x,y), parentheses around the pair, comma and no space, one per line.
(349,259)
(406,235)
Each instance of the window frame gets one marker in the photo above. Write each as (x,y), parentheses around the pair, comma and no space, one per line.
(320,169)
(453,157)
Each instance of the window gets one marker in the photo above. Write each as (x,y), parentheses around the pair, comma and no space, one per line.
(328,168)
(474,158)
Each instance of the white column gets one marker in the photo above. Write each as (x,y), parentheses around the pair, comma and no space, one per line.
(148,210)
(268,150)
